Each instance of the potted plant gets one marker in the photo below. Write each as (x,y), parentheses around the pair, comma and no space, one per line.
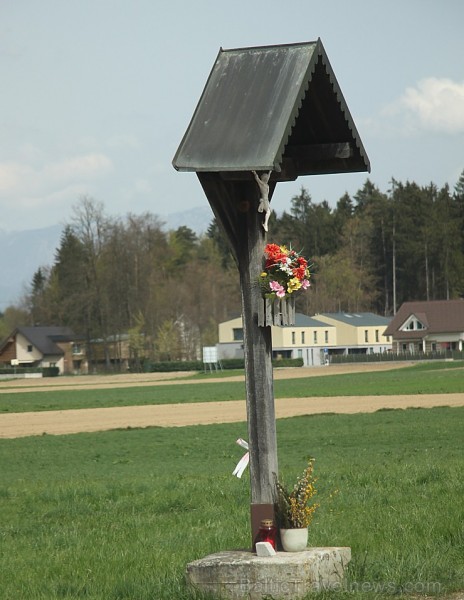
(295,510)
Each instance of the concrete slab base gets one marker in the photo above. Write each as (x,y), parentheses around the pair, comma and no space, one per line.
(241,575)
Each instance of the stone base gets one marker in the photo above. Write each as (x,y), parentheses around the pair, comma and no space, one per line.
(237,575)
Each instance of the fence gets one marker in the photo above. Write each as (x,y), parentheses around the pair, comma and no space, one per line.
(336,359)
(19,372)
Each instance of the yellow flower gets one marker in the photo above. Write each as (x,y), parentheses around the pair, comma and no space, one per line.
(264,274)
(293,285)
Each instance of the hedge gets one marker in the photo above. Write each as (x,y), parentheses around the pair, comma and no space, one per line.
(337,359)
(19,370)
(226,363)
(50,372)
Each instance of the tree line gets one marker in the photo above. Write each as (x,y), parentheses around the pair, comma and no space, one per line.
(168,290)
(376,250)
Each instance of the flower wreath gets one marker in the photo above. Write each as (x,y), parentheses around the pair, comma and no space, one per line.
(285,272)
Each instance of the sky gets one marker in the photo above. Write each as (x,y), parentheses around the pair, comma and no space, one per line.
(97,94)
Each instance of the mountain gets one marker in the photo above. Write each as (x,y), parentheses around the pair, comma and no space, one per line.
(197,219)
(23,252)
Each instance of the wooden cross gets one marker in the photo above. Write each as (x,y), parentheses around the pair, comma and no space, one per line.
(271,109)
(235,205)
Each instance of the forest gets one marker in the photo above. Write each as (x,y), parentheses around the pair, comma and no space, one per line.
(168,290)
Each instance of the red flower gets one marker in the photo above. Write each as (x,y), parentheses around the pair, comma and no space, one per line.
(274,254)
(299,272)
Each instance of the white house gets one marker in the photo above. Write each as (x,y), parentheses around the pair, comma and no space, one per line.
(359,333)
(313,338)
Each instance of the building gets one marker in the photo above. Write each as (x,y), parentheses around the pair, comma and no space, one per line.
(433,326)
(313,339)
(115,352)
(41,347)
(359,333)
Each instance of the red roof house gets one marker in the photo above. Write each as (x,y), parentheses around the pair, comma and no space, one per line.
(433,326)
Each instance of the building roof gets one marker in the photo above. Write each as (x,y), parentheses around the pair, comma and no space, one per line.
(276,108)
(302,320)
(437,316)
(358,319)
(45,338)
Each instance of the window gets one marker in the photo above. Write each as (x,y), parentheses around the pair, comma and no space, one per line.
(412,324)
(366,335)
(76,349)
(326,337)
(315,337)
(238,334)
(29,347)
(293,337)
(376,335)
(302,337)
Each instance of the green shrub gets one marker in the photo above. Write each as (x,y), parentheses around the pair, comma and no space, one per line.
(168,366)
(226,364)
(288,362)
(19,370)
(233,363)
(50,372)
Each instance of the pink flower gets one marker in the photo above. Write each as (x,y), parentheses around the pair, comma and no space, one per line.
(277,288)
(305,284)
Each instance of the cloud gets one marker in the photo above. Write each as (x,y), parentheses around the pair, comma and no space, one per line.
(53,199)
(80,167)
(12,175)
(433,105)
(18,180)
(438,104)
(33,191)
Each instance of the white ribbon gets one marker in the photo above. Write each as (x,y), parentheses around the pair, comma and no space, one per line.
(243,462)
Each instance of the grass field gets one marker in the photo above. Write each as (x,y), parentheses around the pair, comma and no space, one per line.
(117,515)
(426,378)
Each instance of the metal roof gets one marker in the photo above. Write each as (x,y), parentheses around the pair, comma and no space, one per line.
(362,319)
(276,108)
(302,320)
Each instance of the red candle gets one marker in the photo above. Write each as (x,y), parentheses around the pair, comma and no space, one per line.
(267,532)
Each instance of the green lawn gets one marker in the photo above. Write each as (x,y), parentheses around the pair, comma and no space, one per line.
(118,515)
(426,378)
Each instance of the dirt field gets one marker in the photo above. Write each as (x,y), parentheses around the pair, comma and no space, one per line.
(99,419)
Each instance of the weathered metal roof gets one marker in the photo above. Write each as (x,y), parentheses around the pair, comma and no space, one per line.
(302,320)
(272,108)
(363,319)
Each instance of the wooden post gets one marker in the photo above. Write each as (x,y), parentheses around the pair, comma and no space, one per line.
(235,205)
(259,381)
